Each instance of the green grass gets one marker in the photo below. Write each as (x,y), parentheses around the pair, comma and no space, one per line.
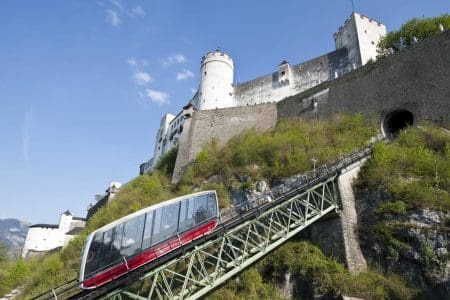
(414,169)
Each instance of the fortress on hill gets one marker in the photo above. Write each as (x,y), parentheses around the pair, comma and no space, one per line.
(356,44)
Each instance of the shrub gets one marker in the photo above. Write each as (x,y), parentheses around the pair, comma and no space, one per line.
(419,28)
(414,168)
(395,208)
(166,163)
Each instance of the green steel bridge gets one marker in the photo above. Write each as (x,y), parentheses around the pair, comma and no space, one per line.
(245,234)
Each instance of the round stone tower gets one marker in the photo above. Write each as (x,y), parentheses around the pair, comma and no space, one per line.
(216,81)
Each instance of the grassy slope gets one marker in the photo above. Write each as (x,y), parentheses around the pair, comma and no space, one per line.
(415,169)
(283,152)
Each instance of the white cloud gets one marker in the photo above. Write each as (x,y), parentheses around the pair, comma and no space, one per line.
(184,74)
(26,128)
(157,96)
(117,3)
(113,18)
(132,61)
(142,78)
(137,11)
(173,59)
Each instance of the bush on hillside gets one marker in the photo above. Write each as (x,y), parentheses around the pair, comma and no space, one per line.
(166,163)
(415,168)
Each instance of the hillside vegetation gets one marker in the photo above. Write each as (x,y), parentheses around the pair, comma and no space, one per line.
(415,170)
(405,220)
(245,159)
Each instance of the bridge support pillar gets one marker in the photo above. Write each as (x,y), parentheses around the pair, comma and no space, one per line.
(349,220)
(337,235)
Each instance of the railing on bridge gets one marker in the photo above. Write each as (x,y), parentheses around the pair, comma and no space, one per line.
(245,234)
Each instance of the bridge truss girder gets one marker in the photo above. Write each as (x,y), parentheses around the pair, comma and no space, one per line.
(209,265)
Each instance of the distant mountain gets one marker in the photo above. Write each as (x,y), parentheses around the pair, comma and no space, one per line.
(13,233)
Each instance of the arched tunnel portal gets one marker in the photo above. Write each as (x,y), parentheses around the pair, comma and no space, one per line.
(396,121)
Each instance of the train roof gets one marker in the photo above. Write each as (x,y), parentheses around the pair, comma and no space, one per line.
(149,208)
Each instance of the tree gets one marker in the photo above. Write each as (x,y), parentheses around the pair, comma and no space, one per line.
(415,29)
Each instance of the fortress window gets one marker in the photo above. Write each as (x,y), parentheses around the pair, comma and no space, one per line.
(283,73)
(204,73)
(230,94)
(372,43)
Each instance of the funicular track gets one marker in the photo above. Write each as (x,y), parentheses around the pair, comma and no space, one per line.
(244,235)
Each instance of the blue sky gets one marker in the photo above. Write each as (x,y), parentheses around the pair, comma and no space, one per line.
(83,84)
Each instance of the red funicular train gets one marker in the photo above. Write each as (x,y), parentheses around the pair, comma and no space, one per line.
(145,235)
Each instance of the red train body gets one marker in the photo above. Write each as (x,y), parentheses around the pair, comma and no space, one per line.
(139,238)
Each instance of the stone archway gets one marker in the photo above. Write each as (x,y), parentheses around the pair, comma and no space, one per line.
(396,121)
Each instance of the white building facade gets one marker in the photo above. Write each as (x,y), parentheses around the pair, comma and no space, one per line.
(45,237)
(356,44)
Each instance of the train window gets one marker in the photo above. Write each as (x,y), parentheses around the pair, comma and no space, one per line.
(132,236)
(94,253)
(186,219)
(212,206)
(106,245)
(111,246)
(148,230)
(183,214)
(191,209)
(168,223)
(170,219)
(201,209)
(156,236)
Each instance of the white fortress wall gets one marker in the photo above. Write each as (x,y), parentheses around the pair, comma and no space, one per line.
(45,237)
(40,239)
(161,142)
(216,81)
(369,34)
(360,35)
(346,37)
(271,87)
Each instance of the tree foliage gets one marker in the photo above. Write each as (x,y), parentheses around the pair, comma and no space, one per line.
(418,28)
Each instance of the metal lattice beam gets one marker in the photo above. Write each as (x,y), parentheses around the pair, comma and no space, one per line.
(198,272)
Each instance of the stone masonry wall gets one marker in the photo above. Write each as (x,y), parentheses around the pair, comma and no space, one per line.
(222,124)
(415,79)
(349,219)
